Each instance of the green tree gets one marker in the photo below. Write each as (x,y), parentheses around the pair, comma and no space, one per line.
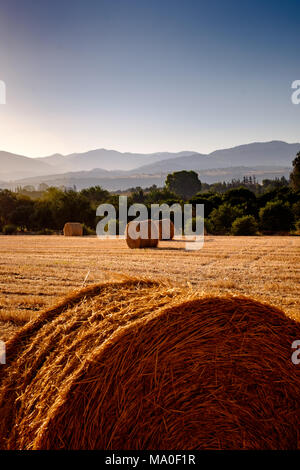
(276,216)
(270,184)
(284,194)
(41,217)
(183,183)
(8,203)
(295,175)
(95,194)
(68,206)
(210,200)
(242,197)
(156,195)
(245,225)
(138,196)
(9,229)
(21,215)
(222,218)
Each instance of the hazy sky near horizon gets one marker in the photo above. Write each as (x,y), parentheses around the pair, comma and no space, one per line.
(147,75)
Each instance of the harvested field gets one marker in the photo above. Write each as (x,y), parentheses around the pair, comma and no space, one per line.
(138,364)
(35,271)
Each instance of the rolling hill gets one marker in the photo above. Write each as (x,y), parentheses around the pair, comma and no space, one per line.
(115,170)
(107,160)
(275,153)
(13,167)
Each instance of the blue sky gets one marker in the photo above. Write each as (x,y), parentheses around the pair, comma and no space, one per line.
(146,76)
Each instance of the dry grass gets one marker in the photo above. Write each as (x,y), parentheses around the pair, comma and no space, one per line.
(138,364)
(35,271)
(8,329)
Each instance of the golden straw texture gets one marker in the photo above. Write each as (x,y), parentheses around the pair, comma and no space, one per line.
(146,231)
(143,365)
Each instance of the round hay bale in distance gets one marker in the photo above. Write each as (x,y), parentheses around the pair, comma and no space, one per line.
(73,229)
(142,234)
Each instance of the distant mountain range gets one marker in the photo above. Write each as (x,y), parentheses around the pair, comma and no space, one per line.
(107,160)
(14,167)
(274,153)
(115,170)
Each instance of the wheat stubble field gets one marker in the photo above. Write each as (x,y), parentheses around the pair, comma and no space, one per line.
(36,271)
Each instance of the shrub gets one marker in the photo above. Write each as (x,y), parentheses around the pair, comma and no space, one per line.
(46,231)
(276,216)
(9,229)
(211,201)
(242,197)
(245,225)
(222,218)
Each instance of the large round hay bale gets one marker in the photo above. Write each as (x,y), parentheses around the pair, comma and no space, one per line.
(139,365)
(166,229)
(143,234)
(73,229)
